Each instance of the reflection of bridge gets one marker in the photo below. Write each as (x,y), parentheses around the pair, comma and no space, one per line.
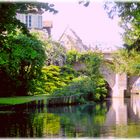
(120,114)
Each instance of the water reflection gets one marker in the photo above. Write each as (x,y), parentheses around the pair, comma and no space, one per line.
(72,121)
(81,121)
(123,118)
(117,113)
(114,118)
(135,105)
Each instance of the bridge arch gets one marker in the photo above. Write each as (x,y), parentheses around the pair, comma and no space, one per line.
(117,82)
(108,74)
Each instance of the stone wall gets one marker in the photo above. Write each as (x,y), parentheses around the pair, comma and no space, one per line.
(108,74)
(134,84)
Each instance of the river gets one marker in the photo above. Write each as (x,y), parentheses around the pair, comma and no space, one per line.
(114,118)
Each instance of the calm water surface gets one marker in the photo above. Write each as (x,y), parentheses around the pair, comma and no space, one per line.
(113,118)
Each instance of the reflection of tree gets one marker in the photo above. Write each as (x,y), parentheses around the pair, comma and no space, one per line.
(133,130)
(46,124)
(74,121)
(85,121)
(29,125)
(135,105)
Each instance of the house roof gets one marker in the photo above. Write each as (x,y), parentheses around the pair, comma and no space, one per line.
(33,11)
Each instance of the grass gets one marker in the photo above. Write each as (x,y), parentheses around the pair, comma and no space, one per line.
(20,100)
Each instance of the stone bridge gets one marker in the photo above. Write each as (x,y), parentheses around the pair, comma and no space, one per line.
(120,84)
(117,82)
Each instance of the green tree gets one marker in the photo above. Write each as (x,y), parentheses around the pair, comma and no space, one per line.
(90,82)
(22,58)
(127,61)
(130,21)
(56,53)
(21,54)
(129,12)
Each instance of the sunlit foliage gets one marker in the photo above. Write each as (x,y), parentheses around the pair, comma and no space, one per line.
(127,61)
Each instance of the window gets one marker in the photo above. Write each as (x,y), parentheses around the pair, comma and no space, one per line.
(30,20)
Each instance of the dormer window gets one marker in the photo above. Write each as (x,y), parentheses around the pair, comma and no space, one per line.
(31,20)
(34,21)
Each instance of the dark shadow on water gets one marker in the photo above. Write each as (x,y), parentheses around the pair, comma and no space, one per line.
(68,121)
(113,118)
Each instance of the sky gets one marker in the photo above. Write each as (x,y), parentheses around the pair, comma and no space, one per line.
(91,23)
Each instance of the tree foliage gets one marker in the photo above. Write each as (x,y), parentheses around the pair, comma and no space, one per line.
(90,81)
(91,60)
(53,78)
(127,61)
(84,2)
(130,21)
(21,60)
(56,53)
(21,54)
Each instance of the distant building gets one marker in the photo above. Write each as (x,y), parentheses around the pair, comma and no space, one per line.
(72,41)
(33,20)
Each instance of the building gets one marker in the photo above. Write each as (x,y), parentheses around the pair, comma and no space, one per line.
(72,41)
(34,20)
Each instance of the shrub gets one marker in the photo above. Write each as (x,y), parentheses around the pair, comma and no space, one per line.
(83,85)
(21,61)
(55,77)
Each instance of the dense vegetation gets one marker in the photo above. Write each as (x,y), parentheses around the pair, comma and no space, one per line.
(127,61)
(32,65)
(66,81)
(21,54)
(21,60)
(27,71)
(129,14)
(52,122)
(89,80)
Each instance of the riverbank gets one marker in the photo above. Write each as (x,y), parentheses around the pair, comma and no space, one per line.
(20,99)
(49,100)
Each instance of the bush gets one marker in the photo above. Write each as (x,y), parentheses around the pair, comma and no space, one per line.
(55,77)
(21,61)
(83,85)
